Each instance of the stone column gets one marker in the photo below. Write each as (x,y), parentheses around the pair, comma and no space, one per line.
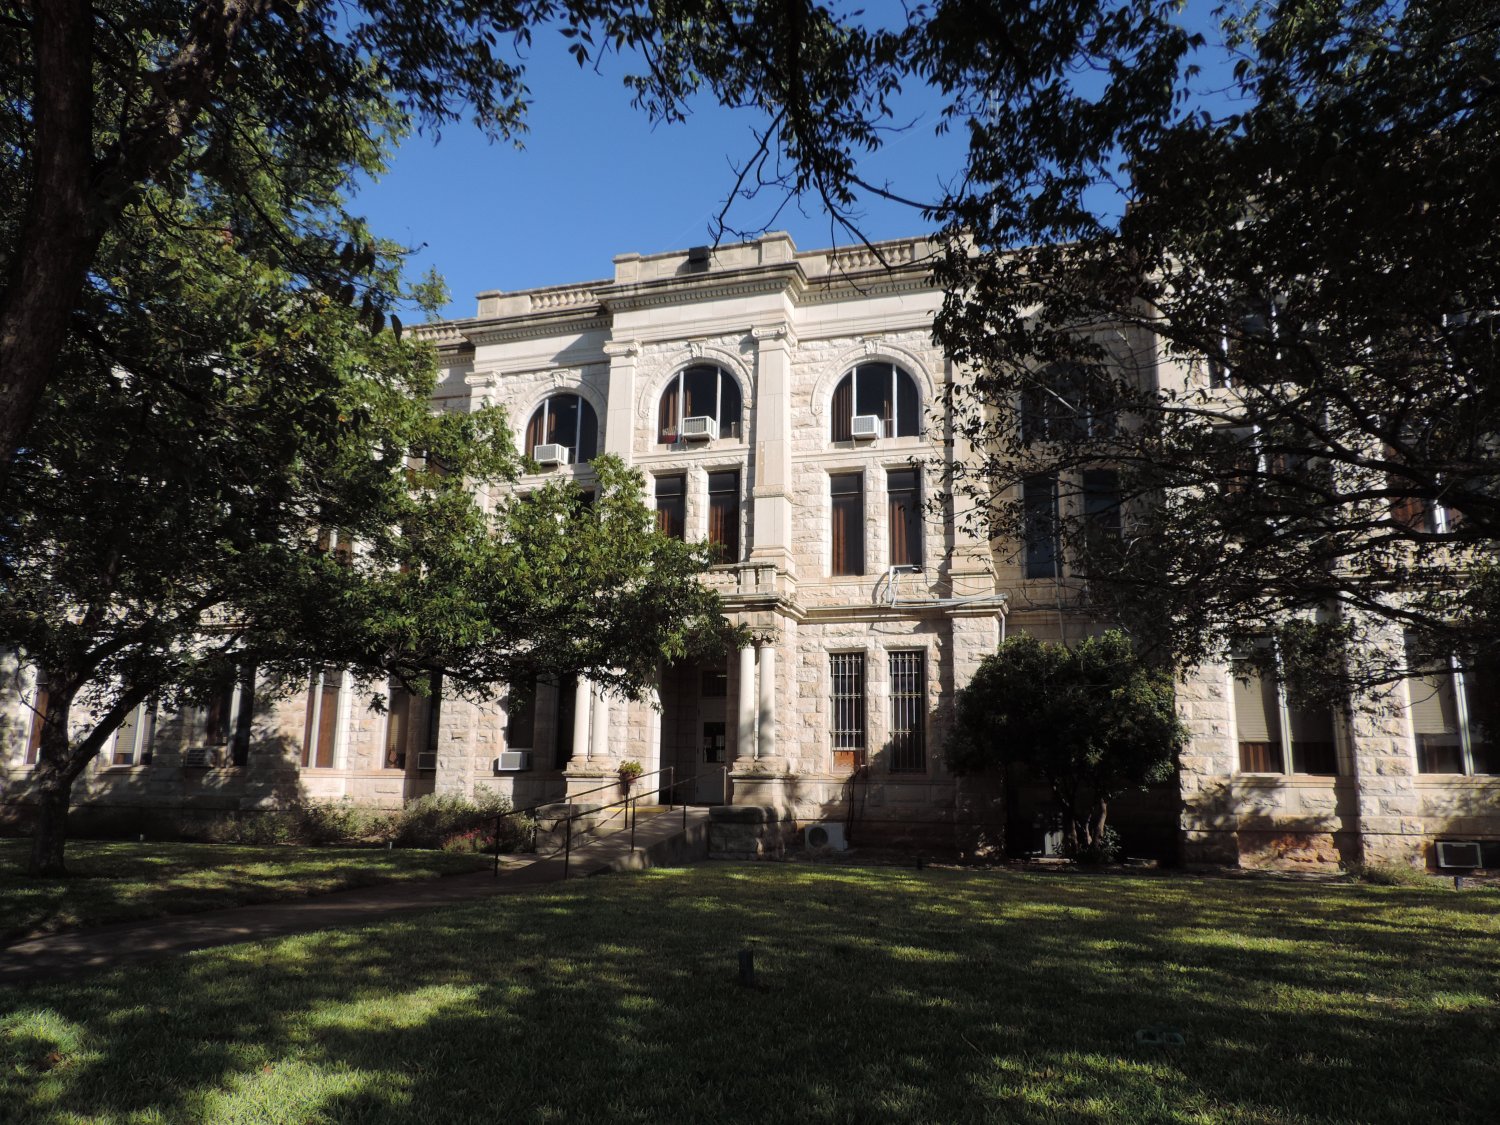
(582,705)
(766,744)
(599,747)
(773,446)
(619,419)
(1389,809)
(745,731)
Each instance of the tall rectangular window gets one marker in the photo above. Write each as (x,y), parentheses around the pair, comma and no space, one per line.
(520,716)
(671,506)
(848,705)
(1101,502)
(227,715)
(320,734)
(1273,731)
(1039,511)
(403,706)
(1449,739)
(136,739)
(847,492)
(38,719)
(562,751)
(1257,718)
(724,515)
(908,712)
(904,512)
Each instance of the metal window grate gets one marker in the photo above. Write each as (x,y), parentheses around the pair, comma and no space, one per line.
(908,712)
(848,669)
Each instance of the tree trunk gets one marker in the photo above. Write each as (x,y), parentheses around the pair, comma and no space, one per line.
(51,833)
(56,241)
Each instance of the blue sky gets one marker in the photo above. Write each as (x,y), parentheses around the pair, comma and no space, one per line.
(595,179)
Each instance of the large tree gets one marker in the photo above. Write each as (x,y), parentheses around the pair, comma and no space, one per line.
(102,101)
(1269,313)
(218,436)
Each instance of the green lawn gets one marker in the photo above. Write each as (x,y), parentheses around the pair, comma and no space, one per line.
(885,995)
(117,882)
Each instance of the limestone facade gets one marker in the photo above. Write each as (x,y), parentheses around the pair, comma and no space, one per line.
(842,659)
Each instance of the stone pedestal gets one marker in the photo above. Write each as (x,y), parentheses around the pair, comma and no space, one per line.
(750,832)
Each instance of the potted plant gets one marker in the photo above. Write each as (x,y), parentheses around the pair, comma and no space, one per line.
(630,769)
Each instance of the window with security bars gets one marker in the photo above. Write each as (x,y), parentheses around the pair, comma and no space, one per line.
(848,719)
(908,712)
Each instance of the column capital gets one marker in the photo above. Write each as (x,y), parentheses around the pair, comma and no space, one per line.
(772,334)
(622,349)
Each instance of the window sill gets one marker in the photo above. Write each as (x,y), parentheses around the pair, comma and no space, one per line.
(1295,780)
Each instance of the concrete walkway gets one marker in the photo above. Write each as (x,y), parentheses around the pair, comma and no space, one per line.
(660,839)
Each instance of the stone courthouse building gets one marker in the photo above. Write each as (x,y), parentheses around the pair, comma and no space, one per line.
(786,405)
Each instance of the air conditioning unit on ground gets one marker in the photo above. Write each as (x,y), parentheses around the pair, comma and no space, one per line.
(700,428)
(825,834)
(197,758)
(865,426)
(510,761)
(1459,854)
(427,761)
(550,454)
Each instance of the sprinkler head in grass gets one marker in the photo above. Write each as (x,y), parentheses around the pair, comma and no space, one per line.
(921,863)
(747,968)
(1458,882)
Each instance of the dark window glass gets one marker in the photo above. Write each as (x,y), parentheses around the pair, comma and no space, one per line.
(520,716)
(563,750)
(699,392)
(904,514)
(882,390)
(1101,502)
(568,420)
(724,515)
(715,683)
(671,506)
(848,698)
(1039,504)
(848,496)
(136,738)
(908,712)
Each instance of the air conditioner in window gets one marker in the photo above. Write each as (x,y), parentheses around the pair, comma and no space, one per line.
(825,834)
(866,426)
(510,761)
(427,761)
(1459,853)
(700,427)
(198,758)
(550,454)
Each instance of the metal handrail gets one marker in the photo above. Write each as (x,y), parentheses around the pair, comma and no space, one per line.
(630,800)
(500,817)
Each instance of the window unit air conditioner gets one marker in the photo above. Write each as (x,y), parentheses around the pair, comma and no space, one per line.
(510,761)
(427,761)
(863,427)
(550,454)
(1463,854)
(825,834)
(198,758)
(700,427)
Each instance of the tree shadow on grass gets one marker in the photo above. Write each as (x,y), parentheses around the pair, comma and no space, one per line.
(881,996)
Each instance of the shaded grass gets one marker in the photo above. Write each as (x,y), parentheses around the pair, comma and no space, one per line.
(119,882)
(883,995)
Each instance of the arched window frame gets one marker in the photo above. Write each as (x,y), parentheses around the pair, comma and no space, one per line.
(905,418)
(674,392)
(586,423)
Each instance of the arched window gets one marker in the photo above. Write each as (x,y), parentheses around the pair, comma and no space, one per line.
(882,391)
(567,420)
(699,392)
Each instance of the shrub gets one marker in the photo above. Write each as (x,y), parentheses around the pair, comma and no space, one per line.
(455,823)
(1104,848)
